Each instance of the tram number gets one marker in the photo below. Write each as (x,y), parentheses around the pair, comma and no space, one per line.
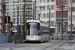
(32,36)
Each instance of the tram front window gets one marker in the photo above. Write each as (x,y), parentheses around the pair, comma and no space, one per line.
(32,28)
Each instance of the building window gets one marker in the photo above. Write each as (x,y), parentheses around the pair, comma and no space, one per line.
(66,14)
(40,16)
(63,2)
(60,2)
(52,7)
(7,13)
(21,21)
(13,14)
(43,15)
(66,2)
(52,0)
(28,6)
(13,7)
(7,7)
(73,9)
(43,7)
(52,15)
(52,23)
(47,7)
(47,0)
(73,17)
(57,2)
(60,14)
(70,1)
(40,8)
(40,1)
(13,21)
(57,14)
(47,15)
(44,1)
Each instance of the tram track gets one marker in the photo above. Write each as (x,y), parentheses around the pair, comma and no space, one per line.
(61,44)
(55,44)
(25,45)
(14,46)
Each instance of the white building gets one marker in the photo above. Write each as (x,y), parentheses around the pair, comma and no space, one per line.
(44,12)
(11,10)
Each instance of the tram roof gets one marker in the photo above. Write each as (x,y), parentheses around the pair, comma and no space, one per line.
(42,23)
(33,21)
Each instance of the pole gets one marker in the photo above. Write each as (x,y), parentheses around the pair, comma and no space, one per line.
(24,21)
(4,11)
(62,24)
(7,25)
(20,17)
(35,9)
(17,23)
(9,28)
(49,22)
(17,18)
(28,11)
(71,18)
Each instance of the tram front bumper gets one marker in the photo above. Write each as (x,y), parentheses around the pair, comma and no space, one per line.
(35,38)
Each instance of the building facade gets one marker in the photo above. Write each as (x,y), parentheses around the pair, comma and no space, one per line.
(2,16)
(59,16)
(73,16)
(15,9)
(44,6)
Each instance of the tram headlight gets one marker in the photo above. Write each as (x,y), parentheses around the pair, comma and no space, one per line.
(36,36)
(27,36)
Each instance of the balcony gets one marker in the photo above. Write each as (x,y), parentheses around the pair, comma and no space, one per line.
(60,20)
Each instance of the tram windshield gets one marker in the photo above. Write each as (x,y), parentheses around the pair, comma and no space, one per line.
(32,28)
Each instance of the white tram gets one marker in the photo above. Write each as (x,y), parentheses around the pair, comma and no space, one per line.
(37,30)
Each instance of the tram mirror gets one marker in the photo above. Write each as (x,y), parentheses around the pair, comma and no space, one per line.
(38,26)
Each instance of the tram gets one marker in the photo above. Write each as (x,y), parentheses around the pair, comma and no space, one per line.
(37,30)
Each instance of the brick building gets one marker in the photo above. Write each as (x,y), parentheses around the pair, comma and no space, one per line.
(2,15)
(59,15)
